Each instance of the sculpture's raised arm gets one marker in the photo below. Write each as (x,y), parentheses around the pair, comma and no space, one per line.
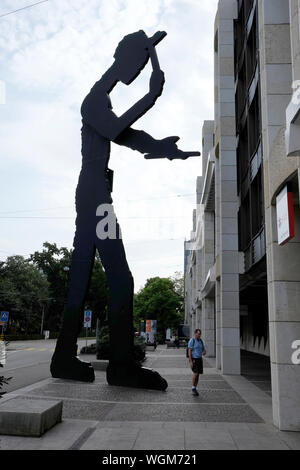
(97,114)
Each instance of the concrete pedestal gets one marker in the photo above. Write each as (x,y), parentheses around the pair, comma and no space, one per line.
(29,417)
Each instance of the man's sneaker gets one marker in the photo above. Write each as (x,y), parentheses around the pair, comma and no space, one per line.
(195,393)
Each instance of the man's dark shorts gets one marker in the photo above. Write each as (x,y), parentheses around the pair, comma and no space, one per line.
(198,366)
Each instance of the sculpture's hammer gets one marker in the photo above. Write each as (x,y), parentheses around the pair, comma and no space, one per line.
(153,41)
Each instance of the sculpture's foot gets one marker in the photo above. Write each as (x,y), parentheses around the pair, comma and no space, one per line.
(72,368)
(133,375)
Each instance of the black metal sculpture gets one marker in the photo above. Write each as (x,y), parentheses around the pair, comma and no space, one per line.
(94,204)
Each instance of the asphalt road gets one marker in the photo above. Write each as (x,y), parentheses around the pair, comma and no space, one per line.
(28,362)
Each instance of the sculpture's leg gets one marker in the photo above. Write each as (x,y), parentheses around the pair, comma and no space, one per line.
(122,369)
(64,363)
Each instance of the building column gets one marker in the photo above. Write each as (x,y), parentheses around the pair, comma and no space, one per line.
(226,153)
(208,304)
(284,325)
(218,327)
(282,261)
(208,332)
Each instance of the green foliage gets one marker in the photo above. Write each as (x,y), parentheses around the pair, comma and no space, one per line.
(22,293)
(102,348)
(97,297)
(160,299)
(90,349)
(24,337)
(31,287)
(55,263)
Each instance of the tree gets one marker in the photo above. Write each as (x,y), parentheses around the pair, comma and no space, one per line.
(55,263)
(159,300)
(97,297)
(22,292)
(178,282)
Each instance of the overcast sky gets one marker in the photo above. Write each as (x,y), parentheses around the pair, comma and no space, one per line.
(51,55)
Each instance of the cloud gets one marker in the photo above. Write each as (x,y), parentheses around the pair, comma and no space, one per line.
(51,55)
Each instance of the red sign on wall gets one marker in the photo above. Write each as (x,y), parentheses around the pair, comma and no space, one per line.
(285,216)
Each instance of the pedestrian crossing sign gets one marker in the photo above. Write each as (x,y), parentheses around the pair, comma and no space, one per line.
(4,317)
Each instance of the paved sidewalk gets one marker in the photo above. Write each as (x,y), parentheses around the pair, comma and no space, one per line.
(230,413)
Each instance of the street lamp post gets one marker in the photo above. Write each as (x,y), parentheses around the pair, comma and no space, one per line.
(42,322)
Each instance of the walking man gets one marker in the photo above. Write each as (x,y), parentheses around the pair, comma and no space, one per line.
(196,350)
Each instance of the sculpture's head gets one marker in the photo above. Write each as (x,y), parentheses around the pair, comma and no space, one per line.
(132,54)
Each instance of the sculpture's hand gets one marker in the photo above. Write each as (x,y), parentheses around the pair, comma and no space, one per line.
(157,81)
(167,148)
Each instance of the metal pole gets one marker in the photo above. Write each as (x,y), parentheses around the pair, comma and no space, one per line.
(86,337)
(97,331)
(42,322)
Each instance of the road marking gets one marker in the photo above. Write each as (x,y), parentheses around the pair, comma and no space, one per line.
(29,349)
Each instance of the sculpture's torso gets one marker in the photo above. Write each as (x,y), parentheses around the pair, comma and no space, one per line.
(93,187)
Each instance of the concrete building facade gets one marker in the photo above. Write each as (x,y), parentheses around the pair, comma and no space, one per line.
(242,287)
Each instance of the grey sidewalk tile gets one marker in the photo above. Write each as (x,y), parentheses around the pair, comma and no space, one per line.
(202,385)
(227,426)
(161,439)
(251,440)
(190,426)
(264,411)
(211,371)
(198,412)
(291,439)
(169,362)
(76,409)
(209,440)
(261,444)
(60,437)
(112,439)
(264,429)
(130,424)
(106,393)
(189,376)
(179,371)
(256,398)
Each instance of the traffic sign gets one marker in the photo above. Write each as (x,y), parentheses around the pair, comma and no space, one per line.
(87,318)
(4,317)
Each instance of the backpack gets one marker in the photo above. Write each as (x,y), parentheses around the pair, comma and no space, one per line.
(187,349)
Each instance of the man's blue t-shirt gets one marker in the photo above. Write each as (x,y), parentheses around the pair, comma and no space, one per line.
(197,348)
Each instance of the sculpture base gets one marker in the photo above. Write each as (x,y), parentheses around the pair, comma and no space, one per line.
(132,375)
(72,368)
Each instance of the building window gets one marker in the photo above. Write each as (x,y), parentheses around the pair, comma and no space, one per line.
(248,128)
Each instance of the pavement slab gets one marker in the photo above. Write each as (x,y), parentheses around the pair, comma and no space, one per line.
(61,437)
(106,393)
(231,412)
(189,412)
